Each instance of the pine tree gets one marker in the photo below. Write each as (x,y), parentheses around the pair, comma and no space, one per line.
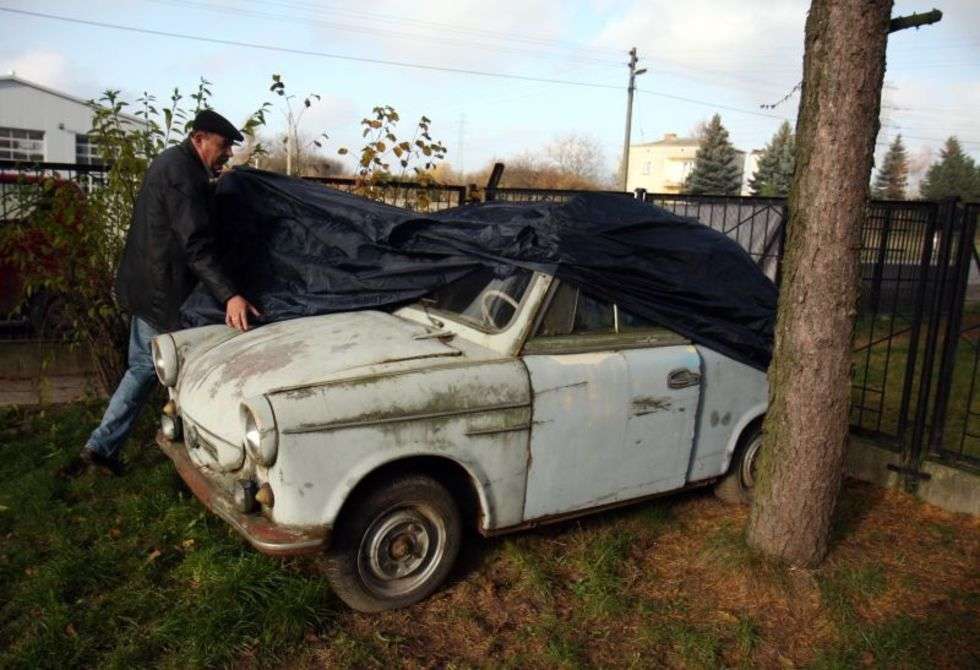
(716,169)
(893,177)
(775,172)
(954,174)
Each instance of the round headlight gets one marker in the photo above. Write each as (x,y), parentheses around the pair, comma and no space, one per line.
(165,360)
(259,434)
(253,438)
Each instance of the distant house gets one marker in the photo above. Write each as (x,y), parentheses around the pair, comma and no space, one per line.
(749,168)
(38,123)
(662,166)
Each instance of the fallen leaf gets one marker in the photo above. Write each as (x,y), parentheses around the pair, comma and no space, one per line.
(70,630)
(726,616)
(188,544)
(154,555)
(115,533)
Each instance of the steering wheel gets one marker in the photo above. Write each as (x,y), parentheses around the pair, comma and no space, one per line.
(485,304)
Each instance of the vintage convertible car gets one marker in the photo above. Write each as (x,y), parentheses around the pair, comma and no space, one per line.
(506,401)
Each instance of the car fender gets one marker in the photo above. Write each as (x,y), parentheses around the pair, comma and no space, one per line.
(377,459)
(748,417)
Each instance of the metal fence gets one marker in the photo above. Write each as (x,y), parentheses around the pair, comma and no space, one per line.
(540,194)
(755,223)
(20,186)
(954,434)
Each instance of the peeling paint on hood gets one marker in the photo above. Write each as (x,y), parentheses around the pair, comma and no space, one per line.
(296,352)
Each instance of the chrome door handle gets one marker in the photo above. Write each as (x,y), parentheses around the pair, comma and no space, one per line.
(682,378)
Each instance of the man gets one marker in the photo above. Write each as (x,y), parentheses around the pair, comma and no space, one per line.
(169,248)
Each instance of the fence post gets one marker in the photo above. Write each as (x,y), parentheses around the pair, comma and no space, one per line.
(914,455)
(491,191)
(964,257)
(881,258)
(640,194)
(925,261)
(783,225)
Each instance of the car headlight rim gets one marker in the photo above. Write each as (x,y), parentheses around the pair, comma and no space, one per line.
(259,435)
(165,360)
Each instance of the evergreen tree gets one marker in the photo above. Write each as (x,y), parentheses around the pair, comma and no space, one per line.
(893,177)
(716,169)
(774,174)
(954,174)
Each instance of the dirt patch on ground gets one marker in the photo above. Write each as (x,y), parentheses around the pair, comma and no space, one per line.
(672,584)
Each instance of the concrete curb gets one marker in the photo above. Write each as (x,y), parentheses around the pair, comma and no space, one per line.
(951,489)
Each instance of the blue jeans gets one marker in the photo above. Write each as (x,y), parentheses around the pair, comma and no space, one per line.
(130,396)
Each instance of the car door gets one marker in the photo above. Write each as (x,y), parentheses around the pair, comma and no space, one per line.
(615,403)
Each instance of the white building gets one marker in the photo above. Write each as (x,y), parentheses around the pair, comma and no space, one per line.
(38,123)
(749,168)
(663,166)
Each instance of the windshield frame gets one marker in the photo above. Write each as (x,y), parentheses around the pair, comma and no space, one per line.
(508,341)
(478,324)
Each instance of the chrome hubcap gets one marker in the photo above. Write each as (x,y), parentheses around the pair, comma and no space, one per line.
(401,549)
(749,463)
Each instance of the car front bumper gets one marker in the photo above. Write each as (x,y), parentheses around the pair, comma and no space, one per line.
(264,535)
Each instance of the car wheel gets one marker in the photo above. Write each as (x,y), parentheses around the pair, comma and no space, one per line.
(739,483)
(395,545)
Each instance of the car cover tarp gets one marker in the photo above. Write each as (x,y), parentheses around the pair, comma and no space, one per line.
(297,248)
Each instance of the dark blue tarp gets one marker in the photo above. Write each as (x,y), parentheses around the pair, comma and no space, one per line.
(297,248)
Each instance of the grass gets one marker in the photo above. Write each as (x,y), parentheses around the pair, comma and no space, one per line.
(847,586)
(131,572)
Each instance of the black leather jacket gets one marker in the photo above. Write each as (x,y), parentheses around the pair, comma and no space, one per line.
(171,243)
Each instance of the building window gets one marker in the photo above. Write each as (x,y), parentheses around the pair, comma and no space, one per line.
(86,151)
(646,168)
(21,145)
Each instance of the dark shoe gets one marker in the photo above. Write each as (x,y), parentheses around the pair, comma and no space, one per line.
(93,458)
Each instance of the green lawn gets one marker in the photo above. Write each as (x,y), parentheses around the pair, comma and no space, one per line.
(129,572)
(132,572)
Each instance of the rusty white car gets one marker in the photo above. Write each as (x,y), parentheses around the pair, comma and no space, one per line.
(507,402)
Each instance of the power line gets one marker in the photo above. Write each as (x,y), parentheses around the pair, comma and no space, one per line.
(403,64)
(441,27)
(711,104)
(369,30)
(306,52)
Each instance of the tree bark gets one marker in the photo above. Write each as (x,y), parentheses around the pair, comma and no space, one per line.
(801,465)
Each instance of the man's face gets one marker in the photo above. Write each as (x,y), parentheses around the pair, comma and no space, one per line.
(214,149)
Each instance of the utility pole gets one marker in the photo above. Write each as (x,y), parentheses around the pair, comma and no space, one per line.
(634,73)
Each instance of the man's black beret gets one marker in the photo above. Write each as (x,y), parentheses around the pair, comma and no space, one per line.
(212,122)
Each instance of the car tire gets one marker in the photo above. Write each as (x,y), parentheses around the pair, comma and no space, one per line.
(396,544)
(738,485)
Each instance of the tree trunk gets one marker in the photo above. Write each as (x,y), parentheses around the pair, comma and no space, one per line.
(802,458)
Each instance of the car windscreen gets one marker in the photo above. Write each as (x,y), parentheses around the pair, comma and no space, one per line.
(488,298)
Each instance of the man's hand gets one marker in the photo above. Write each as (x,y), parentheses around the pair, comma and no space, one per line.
(236,312)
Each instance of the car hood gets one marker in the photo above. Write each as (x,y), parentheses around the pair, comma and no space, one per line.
(296,353)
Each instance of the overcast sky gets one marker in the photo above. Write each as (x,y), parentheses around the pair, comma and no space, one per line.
(726,56)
